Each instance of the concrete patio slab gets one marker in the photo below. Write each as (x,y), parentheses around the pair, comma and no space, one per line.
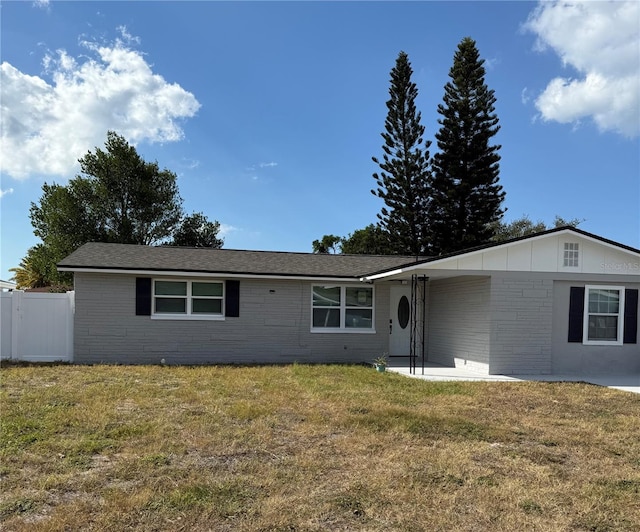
(436,372)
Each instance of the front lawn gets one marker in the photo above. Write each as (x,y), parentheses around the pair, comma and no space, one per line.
(311,448)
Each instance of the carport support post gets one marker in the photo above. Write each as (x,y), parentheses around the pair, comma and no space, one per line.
(424,315)
(412,328)
(415,316)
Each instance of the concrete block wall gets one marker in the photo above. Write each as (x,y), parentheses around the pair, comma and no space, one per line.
(458,330)
(577,358)
(521,325)
(273,327)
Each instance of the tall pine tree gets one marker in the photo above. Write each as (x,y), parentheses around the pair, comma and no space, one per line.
(466,196)
(404,180)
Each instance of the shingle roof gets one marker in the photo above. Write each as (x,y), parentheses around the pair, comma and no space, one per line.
(115,257)
(102,256)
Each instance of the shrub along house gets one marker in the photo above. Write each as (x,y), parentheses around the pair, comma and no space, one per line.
(561,301)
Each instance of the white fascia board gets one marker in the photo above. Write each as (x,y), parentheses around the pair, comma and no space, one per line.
(383,275)
(177,273)
(607,244)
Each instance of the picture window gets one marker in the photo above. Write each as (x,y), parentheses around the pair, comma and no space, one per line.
(342,308)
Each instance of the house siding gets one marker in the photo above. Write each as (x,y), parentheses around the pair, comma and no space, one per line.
(577,358)
(458,327)
(521,324)
(273,327)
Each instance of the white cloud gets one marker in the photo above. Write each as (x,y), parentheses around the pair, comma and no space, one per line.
(226,229)
(253,170)
(190,164)
(47,126)
(42,4)
(127,37)
(5,192)
(254,167)
(601,41)
(492,62)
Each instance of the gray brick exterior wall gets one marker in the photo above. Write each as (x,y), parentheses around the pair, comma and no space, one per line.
(521,323)
(273,327)
(509,323)
(576,358)
(458,331)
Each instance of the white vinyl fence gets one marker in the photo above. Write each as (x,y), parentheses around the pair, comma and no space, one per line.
(36,327)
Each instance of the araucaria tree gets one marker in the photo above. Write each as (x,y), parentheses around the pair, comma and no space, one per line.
(403,182)
(466,197)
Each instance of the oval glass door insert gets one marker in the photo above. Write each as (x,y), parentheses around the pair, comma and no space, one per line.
(403,312)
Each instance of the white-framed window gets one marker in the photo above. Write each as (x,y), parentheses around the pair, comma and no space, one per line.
(603,315)
(342,308)
(177,298)
(571,254)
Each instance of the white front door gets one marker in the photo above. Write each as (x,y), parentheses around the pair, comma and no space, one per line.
(399,320)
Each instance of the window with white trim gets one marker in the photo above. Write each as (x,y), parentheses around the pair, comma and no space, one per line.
(201,299)
(571,254)
(603,316)
(342,308)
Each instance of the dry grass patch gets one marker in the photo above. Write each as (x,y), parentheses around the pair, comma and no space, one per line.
(311,448)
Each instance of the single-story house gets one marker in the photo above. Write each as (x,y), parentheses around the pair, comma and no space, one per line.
(7,285)
(556,302)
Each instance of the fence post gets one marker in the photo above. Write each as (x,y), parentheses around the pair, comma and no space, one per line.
(16,318)
(71,295)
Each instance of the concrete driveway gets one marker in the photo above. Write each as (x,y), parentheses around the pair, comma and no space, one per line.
(436,372)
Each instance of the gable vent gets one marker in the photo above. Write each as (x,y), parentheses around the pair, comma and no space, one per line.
(571,254)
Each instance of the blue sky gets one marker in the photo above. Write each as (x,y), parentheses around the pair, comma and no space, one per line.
(270,112)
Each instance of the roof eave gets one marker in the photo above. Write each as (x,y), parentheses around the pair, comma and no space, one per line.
(200,273)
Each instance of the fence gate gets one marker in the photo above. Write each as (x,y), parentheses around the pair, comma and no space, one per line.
(36,327)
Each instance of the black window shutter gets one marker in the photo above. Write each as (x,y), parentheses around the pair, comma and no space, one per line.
(630,335)
(576,313)
(232,299)
(143,296)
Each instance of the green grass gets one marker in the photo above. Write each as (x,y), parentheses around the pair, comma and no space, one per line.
(310,448)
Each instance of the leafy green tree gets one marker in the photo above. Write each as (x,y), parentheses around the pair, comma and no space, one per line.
(327,244)
(403,182)
(197,231)
(27,275)
(466,194)
(138,202)
(521,227)
(558,221)
(524,226)
(65,218)
(118,197)
(372,240)
(38,269)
